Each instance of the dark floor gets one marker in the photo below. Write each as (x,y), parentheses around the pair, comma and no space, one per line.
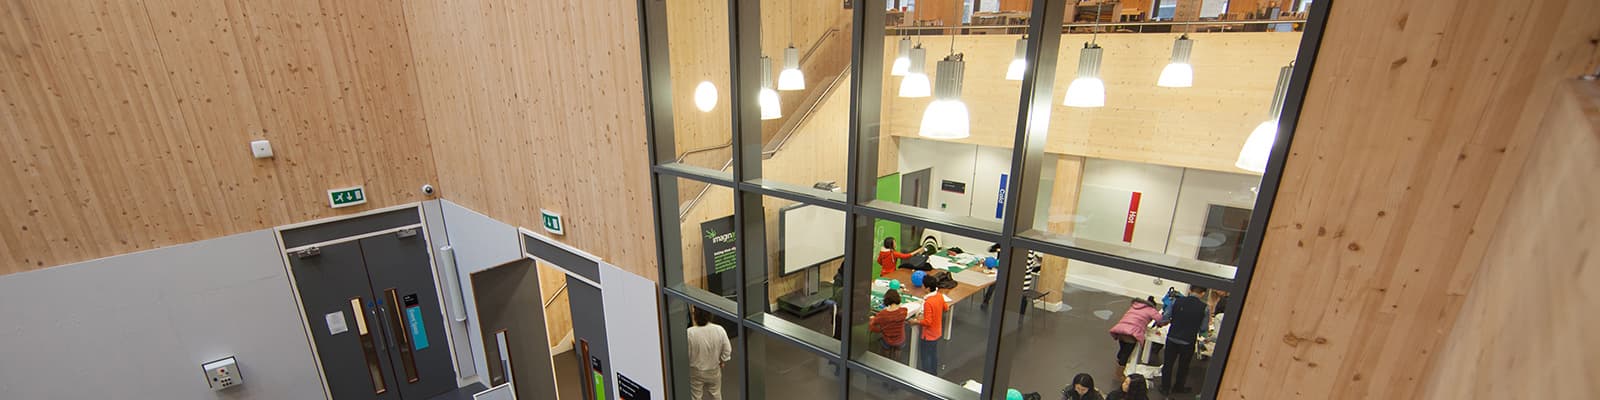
(1058,345)
(461,393)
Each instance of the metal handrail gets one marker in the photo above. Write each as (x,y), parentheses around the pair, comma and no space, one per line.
(814,46)
(558,294)
(806,117)
(1102,24)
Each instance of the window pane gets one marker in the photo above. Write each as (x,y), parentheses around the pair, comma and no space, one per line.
(943,343)
(805,249)
(793,372)
(682,329)
(1080,317)
(1156,159)
(868,387)
(702,117)
(948,114)
(707,238)
(806,140)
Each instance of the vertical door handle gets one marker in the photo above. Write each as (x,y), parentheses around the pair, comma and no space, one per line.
(369,346)
(407,360)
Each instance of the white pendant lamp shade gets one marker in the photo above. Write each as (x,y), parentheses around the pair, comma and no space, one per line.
(767,98)
(1258,147)
(915,84)
(1087,90)
(1019,62)
(705,96)
(791,78)
(1253,156)
(902,61)
(1178,73)
(947,117)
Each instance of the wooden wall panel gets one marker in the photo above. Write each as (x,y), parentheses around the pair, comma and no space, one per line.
(1200,127)
(540,105)
(127,123)
(1525,316)
(1415,127)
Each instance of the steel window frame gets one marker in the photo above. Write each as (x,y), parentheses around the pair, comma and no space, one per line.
(1036,102)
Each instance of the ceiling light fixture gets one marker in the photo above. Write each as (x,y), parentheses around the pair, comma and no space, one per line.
(791,78)
(915,83)
(902,61)
(1178,73)
(705,96)
(1019,61)
(1087,90)
(1253,156)
(768,98)
(947,117)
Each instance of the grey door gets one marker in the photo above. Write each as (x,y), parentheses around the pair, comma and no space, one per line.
(402,279)
(914,191)
(375,318)
(589,338)
(341,309)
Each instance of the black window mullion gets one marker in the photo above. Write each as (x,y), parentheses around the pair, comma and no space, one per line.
(1027,158)
(866,88)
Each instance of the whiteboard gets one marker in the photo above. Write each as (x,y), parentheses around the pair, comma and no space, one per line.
(809,235)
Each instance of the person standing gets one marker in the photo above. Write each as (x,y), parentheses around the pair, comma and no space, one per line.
(891,323)
(709,351)
(888,256)
(1130,330)
(932,322)
(1187,317)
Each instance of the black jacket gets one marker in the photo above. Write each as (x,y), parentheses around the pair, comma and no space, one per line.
(1069,394)
(1119,395)
(1188,319)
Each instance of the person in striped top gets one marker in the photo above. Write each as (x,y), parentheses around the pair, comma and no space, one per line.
(1035,264)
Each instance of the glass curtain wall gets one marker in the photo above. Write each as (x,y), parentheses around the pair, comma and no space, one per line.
(896,199)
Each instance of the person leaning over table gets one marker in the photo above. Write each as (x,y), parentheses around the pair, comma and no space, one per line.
(888,256)
(891,323)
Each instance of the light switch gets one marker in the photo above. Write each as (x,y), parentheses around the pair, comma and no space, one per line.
(261,149)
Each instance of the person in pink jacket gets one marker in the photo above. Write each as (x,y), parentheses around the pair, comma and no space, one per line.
(1129,331)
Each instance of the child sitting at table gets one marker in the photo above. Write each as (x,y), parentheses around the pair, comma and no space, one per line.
(888,255)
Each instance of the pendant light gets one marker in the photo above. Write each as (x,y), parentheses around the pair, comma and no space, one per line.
(1019,61)
(705,96)
(915,83)
(1178,73)
(1253,156)
(947,116)
(902,61)
(791,78)
(1087,90)
(768,98)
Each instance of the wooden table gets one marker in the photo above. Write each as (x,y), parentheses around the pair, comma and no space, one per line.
(962,291)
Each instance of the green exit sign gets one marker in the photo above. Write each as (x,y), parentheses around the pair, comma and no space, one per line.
(347,196)
(552,222)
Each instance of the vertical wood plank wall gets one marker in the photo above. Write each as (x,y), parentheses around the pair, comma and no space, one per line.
(1415,126)
(126,124)
(1525,322)
(540,105)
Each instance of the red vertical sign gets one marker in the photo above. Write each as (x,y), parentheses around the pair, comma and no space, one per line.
(1133,217)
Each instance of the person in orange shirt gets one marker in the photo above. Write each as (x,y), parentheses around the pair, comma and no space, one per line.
(888,257)
(932,322)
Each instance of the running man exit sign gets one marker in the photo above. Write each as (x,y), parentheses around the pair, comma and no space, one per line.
(552,222)
(339,198)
